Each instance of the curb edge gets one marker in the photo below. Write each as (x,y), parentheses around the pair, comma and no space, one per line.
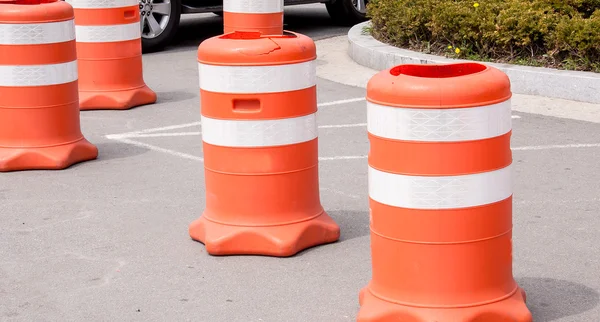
(571,85)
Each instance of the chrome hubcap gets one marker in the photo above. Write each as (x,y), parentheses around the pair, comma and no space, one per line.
(360,5)
(154,17)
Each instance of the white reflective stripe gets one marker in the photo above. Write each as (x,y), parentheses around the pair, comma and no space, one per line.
(253,6)
(38,75)
(257,79)
(439,125)
(112,33)
(259,133)
(37,33)
(448,192)
(102,4)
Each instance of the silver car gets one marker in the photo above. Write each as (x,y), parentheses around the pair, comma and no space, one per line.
(160,18)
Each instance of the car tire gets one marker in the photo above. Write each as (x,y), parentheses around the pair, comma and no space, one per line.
(344,13)
(166,36)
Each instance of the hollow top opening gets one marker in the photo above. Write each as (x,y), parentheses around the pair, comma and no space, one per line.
(249,35)
(438,71)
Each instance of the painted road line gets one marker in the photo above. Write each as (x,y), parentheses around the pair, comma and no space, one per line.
(197,133)
(161,135)
(198,123)
(159,149)
(170,127)
(340,102)
(340,126)
(557,146)
(127,140)
(149,132)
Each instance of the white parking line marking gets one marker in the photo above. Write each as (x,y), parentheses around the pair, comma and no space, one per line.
(149,132)
(160,135)
(128,137)
(141,133)
(557,146)
(171,134)
(159,149)
(545,202)
(345,157)
(198,123)
(339,126)
(338,158)
(340,102)
(171,127)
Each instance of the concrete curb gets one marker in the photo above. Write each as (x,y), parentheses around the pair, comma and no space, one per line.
(547,82)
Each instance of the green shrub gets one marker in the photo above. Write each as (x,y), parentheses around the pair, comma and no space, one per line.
(404,21)
(554,33)
(571,7)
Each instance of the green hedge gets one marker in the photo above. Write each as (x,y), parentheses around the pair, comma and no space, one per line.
(562,34)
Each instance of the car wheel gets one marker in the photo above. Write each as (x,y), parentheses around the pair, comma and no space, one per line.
(348,12)
(159,20)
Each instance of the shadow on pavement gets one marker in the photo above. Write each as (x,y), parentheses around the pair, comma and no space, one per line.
(551,299)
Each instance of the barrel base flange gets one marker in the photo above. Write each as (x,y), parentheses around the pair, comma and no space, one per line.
(47,158)
(511,309)
(279,241)
(116,100)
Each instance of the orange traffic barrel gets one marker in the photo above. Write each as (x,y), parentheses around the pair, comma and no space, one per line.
(39,105)
(260,144)
(109,52)
(440,196)
(265,17)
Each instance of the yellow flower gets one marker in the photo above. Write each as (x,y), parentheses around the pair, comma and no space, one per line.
(476,5)
(449,46)
(457,50)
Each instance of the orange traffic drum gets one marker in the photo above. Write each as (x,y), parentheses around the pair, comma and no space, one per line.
(440,196)
(109,52)
(265,17)
(39,104)
(259,132)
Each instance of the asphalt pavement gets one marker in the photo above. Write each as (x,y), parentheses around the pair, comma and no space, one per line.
(107,240)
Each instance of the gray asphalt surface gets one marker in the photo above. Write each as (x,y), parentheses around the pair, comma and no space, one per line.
(107,240)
